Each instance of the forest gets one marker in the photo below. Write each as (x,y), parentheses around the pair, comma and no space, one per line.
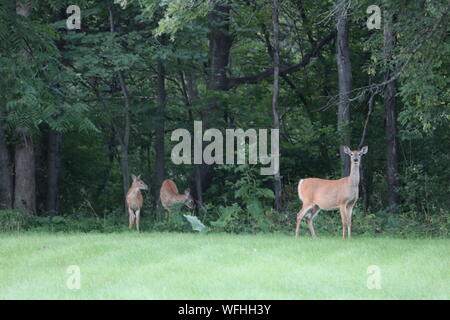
(92,91)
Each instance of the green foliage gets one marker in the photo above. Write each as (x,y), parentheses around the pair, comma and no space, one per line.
(228,216)
(38,92)
(423,192)
(178,14)
(234,219)
(196,224)
(67,81)
(248,204)
(12,220)
(419,63)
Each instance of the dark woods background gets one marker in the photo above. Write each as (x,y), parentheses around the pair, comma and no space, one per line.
(81,110)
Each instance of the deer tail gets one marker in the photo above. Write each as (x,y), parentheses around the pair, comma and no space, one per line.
(299,189)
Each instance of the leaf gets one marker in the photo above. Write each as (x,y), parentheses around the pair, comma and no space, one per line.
(266,193)
(219,224)
(255,208)
(196,224)
(240,192)
(227,213)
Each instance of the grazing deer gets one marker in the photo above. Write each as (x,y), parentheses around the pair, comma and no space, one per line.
(342,194)
(135,201)
(169,196)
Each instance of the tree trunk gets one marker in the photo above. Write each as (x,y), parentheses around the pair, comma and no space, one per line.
(6,182)
(160,127)
(275,93)
(124,168)
(55,144)
(25,184)
(366,186)
(391,120)
(345,83)
(123,140)
(54,160)
(220,43)
(192,96)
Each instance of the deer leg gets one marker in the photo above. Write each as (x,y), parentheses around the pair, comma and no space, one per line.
(130,218)
(349,221)
(300,215)
(310,218)
(343,211)
(138,212)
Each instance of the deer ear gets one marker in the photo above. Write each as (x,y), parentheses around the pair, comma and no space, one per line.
(133,177)
(347,150)
(364,149)
(138,177)
(187,192)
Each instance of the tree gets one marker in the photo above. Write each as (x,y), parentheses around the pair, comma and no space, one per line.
(54,162)
(24,158)
(160,127)
(220,42)
(6,183)
(124,140)
(275,93)
(392,172)
(345,81)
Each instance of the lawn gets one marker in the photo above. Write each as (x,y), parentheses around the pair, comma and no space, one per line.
(221,266)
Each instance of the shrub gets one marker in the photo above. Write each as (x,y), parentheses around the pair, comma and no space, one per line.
(13,220)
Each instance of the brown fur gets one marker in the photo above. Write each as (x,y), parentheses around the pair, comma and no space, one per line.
(321,194)
(169,196)
(135,201)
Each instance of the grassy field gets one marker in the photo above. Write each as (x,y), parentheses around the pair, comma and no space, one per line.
(220,266)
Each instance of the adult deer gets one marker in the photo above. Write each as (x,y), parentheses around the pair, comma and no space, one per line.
(135,201)
(320,194)
(169,196)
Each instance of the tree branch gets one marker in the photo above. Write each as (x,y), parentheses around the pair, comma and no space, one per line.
(234,82)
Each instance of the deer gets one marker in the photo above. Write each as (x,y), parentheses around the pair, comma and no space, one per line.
(321,194)
(135,201)
(169,196)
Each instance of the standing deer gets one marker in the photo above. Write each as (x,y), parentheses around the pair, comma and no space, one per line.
(342,194)
(135,201)
(169,196)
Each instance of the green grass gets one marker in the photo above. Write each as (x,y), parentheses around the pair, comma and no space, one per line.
(220,266)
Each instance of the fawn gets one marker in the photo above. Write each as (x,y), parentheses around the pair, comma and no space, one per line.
(169,196)
(135,201)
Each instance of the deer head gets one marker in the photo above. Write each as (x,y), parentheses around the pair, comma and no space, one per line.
(138,183)
(355,156)
(188,200)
